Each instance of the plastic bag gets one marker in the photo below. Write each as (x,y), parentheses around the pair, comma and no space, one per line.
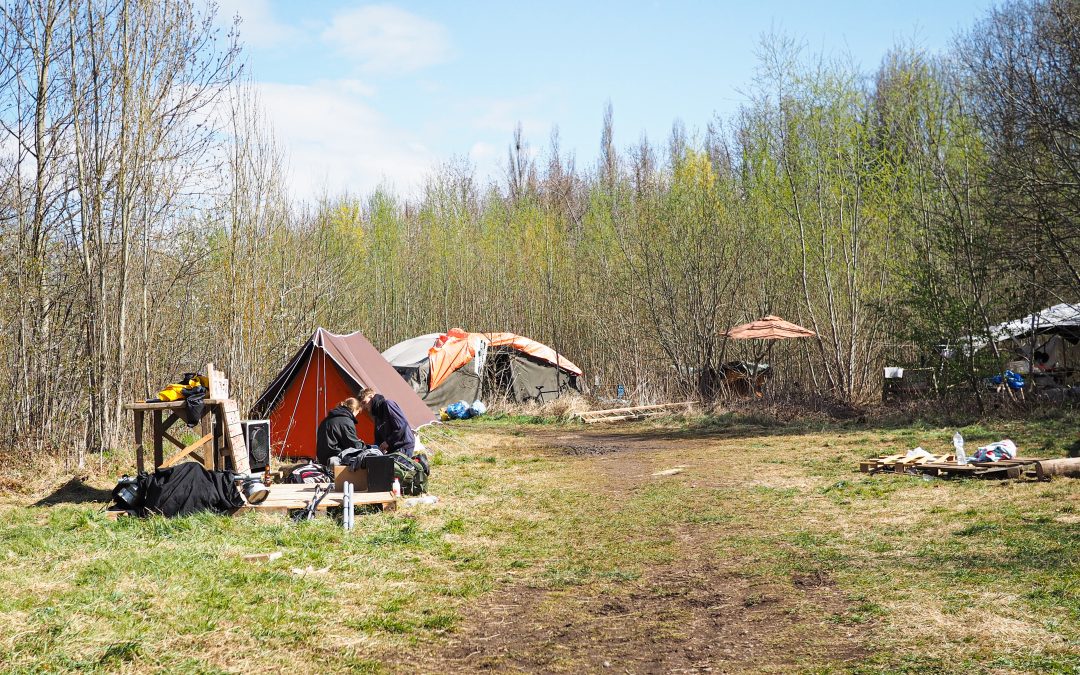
(477,408)
(457,411)
(1014,380)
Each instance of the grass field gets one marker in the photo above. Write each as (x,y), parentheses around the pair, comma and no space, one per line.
(554,548)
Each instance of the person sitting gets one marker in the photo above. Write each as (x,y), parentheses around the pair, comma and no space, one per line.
(337,433)
(392,430)
(1042,361)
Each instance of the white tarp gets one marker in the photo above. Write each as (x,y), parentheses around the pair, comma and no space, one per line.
(1063,318)
(412,351)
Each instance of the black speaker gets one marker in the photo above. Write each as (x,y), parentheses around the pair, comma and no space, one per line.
(257,439)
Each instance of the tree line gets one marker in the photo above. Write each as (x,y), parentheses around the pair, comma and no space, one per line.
(146,226)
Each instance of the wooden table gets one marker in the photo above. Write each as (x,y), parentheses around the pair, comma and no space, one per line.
(213,423)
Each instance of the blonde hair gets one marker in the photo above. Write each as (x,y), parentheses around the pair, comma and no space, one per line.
(365,395)
(352,404)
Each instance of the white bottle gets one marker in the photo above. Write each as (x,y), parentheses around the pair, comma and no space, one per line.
(958,446)
(395,489)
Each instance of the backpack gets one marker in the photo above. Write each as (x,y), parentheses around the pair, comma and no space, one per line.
(309,473)
(411,473)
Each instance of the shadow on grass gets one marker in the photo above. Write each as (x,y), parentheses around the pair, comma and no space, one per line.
(1074,449)
(75,491)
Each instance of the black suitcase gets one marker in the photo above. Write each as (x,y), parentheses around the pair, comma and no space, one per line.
(380,473)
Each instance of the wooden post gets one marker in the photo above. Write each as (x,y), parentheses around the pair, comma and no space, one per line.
(207,430)
(219,440)
(159,429)
(139,449)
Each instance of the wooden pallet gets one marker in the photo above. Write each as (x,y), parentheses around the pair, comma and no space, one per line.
(287,497)
(897,464)
(634,413)
(947,467)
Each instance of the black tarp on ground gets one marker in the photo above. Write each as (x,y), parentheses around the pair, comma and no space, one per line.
(186,489)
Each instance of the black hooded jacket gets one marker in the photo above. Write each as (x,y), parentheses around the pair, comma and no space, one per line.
(391,427)
(336,433)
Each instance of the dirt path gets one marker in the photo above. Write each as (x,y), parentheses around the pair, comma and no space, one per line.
(694,614)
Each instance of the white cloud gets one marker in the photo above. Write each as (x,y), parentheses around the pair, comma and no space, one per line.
(258,26)
(503,115)
(385,39)
(338,141)
(482,151)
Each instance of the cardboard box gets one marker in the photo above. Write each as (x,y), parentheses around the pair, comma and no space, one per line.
(358,478)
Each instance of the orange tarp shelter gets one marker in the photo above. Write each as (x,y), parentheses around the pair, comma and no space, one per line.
(457,347)
(326,370)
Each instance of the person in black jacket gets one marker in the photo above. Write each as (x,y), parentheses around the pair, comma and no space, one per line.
(337,432)
(392,430)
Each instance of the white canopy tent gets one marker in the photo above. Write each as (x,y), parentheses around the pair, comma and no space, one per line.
(1052,328)
(1063,320)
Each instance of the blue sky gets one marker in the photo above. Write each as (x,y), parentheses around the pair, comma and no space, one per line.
(364,94)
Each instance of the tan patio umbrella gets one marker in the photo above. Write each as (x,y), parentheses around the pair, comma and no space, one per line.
(770,328)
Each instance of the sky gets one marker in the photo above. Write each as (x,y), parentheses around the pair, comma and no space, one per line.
(365,95)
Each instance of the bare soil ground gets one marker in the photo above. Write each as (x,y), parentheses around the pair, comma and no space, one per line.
(698,613)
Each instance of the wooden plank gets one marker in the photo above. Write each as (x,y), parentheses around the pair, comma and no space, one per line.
(207,428)
(113,513)
(159,451)
(614,414)
(140,449)
(165,405)
(219,442)
(184,452)
(262,557)
(170,438)
(657,406)
(287,497)
(155,405)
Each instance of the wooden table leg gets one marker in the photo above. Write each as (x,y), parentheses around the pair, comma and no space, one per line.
(139,449)
(159,429)
(219,441)
(207,428)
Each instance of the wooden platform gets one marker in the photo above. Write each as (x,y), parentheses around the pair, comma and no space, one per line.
(947,467)
(634,413)
(285,497)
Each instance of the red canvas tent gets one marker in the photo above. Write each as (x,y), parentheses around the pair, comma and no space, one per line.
(326,370)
